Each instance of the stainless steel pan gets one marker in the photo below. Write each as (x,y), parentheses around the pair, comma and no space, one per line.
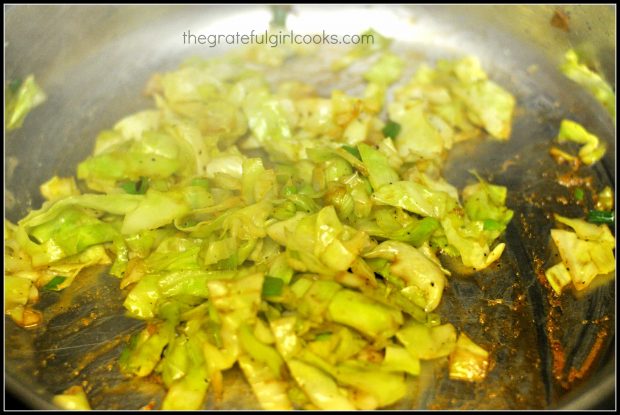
(93,62)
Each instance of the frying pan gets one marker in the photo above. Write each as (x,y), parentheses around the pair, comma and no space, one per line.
(93,62)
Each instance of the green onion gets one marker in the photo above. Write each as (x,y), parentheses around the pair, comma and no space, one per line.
(15,84)
(200,181)
(353,151)
(54,283)
(322,336)
(289,190)
(601,216)
(280,12)
(492,225)
(129,187)
(136,188)
(579,193)
(391,129)
(272,286)
(143,185)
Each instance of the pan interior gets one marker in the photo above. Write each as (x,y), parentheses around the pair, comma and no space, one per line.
(94,62)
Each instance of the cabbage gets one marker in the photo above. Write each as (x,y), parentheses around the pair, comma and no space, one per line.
(592,81)
(592,150)
(21,98)
(288,229)
(415,198)
(386,70)
(379,170)
(73,399)
(586,253)
(374,42)
(59,188)
(423,280)
(468,361)
(426,342)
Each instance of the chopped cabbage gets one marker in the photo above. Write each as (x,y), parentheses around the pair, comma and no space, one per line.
(592,81)
(587,251)
(21,98)
(293,232)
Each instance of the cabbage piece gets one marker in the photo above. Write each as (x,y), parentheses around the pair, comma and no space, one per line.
(593,148)
(371,318)
(72,231)
(269,125)
(59,188)
(336,344)
(73,399)
(270,392)
(374,42)
(415,198)
(418,138)
(398,359)
(592,81)
(386,70)
(468,361)
(423,279)
(260,352)
(237,300)
(175,363)
(154,155)
(316,299)
(386,387)
(188,392)
(379,171)
(487,104)
(393,223)
(446,104)
(116,204)
(470,241)
(145,349)
(587,252)
(17,293)
(175,254)
(427,342)
(319,386)
(605,199)
(558,277)
(156,209)
(257,183)
(20,100)
(490,106)
(70,267)
(486,202)
(319,242)
(288,343)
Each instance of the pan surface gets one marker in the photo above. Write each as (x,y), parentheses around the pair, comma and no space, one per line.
(93,62)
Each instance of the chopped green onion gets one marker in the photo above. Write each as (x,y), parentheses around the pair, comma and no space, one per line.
(492,225)
(391,129)
(272,286)
(353,151)
(200,181)
(136,188)
(15,84)
(579,193)
(54,283)
(601,216)
(289,190)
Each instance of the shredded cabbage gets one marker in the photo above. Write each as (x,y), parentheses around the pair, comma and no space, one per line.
(579,72)
(587,251)
(21,98)
(292,233)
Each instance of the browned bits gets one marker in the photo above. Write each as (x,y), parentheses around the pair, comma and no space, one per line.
(560,20)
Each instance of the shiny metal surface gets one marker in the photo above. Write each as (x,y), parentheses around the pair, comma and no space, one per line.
(93,62)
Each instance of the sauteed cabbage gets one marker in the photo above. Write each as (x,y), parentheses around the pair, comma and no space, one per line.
(293,234)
